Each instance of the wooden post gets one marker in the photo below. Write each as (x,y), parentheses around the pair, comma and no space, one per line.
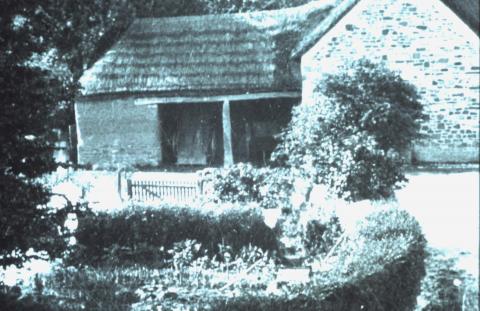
(227,134)
(119,183)
(129,188)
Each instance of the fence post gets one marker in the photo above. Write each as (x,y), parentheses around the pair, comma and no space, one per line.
(119,183)
(129,188)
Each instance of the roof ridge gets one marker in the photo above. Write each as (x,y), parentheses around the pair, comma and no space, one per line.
(318,32)
(312,6)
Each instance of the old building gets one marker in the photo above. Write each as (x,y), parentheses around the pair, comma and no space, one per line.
(213,90)
(428,45)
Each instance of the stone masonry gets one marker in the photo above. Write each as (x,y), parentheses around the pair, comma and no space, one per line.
(431,48)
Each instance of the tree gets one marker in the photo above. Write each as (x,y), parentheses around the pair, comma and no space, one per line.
(29,95)
(353,138)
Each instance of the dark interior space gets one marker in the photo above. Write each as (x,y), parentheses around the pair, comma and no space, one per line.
(255,124)
(191,134)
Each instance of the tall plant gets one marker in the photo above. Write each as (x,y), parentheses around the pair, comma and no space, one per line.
(353,137)
(29,95)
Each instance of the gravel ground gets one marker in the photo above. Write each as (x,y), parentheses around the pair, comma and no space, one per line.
(447,207)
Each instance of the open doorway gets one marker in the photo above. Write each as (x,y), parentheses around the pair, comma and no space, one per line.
(255,126)
(191,134)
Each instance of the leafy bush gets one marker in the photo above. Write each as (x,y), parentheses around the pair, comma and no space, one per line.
(238,183)
(142,236)
(446,287)
(353,137)
(242,182)
(379,267)
(319,237)
(384,261)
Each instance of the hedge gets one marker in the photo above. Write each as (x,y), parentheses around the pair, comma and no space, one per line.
(143,235)
(379,267)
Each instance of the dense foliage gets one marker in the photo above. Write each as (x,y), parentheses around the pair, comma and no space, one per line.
(143,236)
(377,267)
(244,183)
(29,96)
(353,137)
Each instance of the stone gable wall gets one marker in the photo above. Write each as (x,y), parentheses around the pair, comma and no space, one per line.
(115,133)
(430,47)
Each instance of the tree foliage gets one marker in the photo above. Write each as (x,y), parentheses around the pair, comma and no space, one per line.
(353,137)
(29,95)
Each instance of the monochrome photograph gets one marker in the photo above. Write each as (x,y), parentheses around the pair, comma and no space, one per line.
(271,155)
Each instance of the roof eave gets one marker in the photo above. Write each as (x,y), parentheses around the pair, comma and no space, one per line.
(318,32)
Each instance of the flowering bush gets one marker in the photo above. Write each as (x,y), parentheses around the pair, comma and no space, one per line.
(242,182)
(238,183)
(352,138)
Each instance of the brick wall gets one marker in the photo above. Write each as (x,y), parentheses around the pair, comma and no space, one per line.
(115,132)
(430,47)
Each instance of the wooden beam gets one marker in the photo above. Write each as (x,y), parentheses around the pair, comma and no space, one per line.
(219,98)
(227,134)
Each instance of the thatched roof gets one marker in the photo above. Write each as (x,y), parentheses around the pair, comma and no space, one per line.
(211,54)
(468,11)
(322,28)
(222,54)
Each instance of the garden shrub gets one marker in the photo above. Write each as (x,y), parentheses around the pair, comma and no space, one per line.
(446,287)
(142,236)
(242,182)
(379,267)
(387,256)
(319,237)
(353,137)
(12,299)
(238,183)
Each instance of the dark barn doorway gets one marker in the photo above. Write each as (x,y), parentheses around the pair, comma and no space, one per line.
(255,125)
(191,134)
